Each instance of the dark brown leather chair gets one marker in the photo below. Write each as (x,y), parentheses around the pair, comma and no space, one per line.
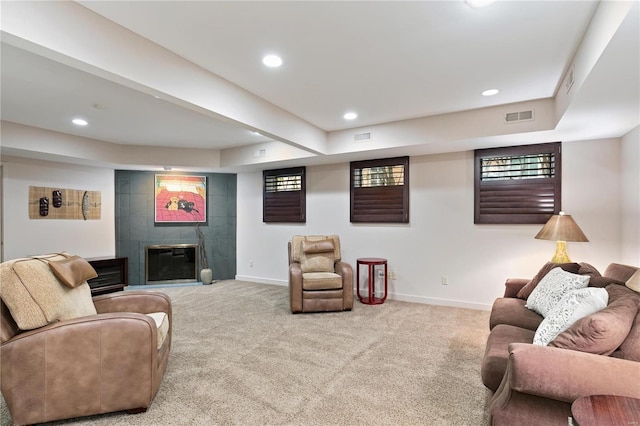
(319,281)
(87,365)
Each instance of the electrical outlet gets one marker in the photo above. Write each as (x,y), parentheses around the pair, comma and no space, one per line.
(445,280)
(393,275)
(380,273)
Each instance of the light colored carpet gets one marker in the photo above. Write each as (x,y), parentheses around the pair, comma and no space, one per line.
(239,357)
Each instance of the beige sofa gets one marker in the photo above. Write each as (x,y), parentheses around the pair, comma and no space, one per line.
(598,354)
(65,354)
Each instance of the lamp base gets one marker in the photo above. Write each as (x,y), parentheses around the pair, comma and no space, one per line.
(561,255)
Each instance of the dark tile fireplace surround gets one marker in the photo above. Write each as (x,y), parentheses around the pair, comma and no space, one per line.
(136,228)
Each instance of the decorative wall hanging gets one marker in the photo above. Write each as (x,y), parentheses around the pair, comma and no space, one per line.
(60,203)
(180,198)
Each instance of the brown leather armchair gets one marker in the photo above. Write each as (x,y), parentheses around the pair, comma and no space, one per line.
(87,365)
(318,279)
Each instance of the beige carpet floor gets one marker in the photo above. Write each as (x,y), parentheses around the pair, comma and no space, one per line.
(239,357)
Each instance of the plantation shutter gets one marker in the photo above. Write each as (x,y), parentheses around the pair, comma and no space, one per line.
(518,185)
(380,190)
(284,195)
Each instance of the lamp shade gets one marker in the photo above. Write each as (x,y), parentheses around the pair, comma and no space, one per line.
(561,227)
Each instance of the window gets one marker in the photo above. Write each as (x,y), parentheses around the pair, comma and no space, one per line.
(520,184)
(284,195)
(380,190)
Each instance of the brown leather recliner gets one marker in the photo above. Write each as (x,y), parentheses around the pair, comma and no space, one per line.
(318,279)
(87,365)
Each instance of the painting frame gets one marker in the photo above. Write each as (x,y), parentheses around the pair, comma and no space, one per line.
(180,199)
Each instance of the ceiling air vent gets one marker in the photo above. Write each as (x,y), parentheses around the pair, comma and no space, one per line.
(360,137)
(512,117)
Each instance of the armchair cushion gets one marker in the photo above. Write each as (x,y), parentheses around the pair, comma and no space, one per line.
(36,298)
(318,262)
(162,323)
(321,281)
(321,246)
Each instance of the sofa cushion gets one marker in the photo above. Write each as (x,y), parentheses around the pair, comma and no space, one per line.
(574,305)
(525,291)
(496,356)
(35,297)
(552,288)
(511,311)
(72,271)
(620,272)
(588,269)
(602,332)
(630,347)
(603,281)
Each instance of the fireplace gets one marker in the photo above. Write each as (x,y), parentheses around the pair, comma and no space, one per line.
(171,263)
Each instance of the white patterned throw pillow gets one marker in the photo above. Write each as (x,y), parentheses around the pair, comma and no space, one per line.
(574,305)
(552,287)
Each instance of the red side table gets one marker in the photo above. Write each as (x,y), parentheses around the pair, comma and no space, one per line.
(610,410)
(371,263)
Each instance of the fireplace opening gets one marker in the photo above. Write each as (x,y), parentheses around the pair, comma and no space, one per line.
(171,263)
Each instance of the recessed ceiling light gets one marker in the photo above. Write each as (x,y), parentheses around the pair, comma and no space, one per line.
(479,3)
(490,92)
(79,122)
(350,116)
(272,61)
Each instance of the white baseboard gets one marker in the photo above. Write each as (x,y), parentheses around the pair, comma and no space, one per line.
(262,280)
(392,296)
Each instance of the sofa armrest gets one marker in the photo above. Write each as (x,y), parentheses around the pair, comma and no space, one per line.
(513,285)
(100,362)
(567,375)
(143,302)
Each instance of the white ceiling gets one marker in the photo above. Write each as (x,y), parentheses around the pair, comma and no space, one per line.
(388,61)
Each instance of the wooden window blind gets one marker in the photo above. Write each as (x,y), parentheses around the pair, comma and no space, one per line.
(518,185)
(380,190)
(284,195)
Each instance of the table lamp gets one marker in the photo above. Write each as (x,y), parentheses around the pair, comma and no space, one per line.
(561,228)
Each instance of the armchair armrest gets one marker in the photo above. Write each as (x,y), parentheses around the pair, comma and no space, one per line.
(567,375)
(295,287)
(143,302)
(513,285)
(346,272)
(110,359)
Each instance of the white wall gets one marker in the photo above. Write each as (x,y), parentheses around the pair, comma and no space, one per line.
(24,236)
(630,159)
(441,239)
